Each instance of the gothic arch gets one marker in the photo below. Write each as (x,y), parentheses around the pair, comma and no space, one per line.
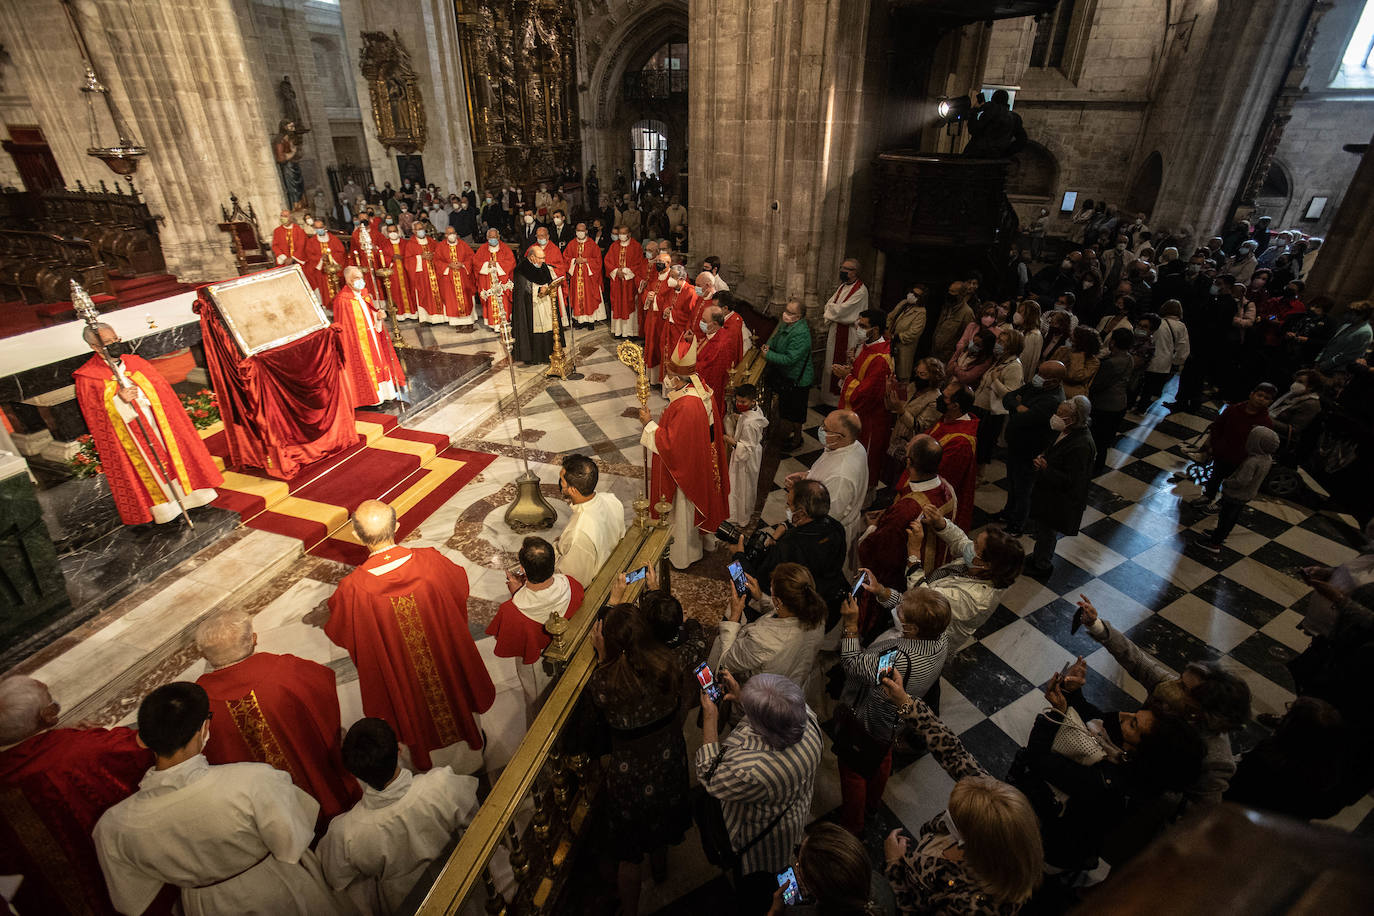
(1034,173)
(1276,193)
(1144,188)
(628,46)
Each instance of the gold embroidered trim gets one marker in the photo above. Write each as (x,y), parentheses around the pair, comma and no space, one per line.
(257,734)
(426,671)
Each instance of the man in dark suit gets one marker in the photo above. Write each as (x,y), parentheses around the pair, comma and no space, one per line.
(1063,473)
(995,131)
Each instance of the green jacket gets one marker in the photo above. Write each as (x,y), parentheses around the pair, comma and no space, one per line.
(789,352)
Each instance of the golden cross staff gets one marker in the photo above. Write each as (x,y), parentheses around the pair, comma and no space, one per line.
(632,355)
(365,241)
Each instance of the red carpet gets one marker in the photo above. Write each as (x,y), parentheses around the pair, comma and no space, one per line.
(414,471)
(20,318)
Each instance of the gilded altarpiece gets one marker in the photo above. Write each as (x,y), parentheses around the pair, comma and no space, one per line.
(520,75)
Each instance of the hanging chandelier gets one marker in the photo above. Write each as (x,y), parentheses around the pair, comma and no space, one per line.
(121,158)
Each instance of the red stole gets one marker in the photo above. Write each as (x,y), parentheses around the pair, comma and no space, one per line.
(623,292)
(584,284)
(654,300)
(407,632)
(369,355)
(288,241)
(865,392)
(283,711)
(959,463)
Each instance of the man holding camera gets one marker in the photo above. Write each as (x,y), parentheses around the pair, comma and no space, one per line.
(810,537)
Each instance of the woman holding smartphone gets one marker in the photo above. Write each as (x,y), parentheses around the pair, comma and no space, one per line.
(785,639)
(913,651)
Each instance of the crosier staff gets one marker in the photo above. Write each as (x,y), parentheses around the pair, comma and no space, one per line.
(86,310)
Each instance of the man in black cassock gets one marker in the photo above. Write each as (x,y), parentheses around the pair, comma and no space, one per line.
(532,325)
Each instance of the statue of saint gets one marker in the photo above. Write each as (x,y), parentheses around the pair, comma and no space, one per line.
(286,150)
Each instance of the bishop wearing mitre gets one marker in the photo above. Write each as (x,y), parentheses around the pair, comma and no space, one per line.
(372,370)
(402,617)
(689,464)
(149,451)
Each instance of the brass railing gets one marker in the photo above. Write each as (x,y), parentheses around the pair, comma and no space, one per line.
(539,808)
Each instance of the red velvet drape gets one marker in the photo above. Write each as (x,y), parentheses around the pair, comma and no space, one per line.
(283,408)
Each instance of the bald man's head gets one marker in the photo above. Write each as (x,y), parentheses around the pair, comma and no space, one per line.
(1052,371)
(374,522)
(706,282)
(841,427)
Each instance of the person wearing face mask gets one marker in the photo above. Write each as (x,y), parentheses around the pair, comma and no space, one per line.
(453,262)
(1028,432)
(584,266)
(882,549)
(492,215)
(790,371)
(1063,473)
(537,292)
(863,386)
(916,414)
(463,219)
(841,312)
(553,256)
(746,453)
(493,268)
(190,824)
(680,309)
(324,259)
(288,242)
(560,232)
(406,220)
(63,779)
(372,371)
(842,467)
(715,353)
(651,304)
(1243,265)
(422,275)
(957,432)
(955,317)
(526,230)
(625,267)
(905,325)
(361,227)
(688,448)
(1307,332)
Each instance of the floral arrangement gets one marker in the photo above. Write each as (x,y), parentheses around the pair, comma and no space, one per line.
(202,407)
(86,462)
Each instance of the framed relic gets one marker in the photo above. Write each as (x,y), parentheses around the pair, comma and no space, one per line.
(268,309)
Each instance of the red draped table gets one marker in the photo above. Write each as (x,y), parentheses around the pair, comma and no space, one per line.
(282,408)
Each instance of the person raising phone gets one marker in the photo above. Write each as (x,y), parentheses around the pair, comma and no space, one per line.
(914,650)
(783,641)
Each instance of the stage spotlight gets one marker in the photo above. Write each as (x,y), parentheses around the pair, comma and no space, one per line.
(953,108)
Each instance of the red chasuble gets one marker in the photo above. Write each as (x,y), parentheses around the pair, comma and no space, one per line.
(624,292)
(423,276)
(959,463)
(517,636)
(653,302)
(369,354)
(714,363)
(678,315)
(288,245)
(53,788)
(884,550)
(584,281)
(492,284)
(129,470)
(317,258)
(283,711)
(399,288)
(864,391)
(407,632)
(452,260)
(691,456)
(552,257)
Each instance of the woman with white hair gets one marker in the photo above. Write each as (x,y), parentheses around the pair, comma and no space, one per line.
(1062,475)
(763,774)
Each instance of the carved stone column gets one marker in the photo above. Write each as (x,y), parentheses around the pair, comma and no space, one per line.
(182,78)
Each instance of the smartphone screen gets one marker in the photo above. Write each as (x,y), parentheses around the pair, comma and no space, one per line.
(635,575)
(708,682)
(787,880)
(858,584)
(885,661)
(737,576)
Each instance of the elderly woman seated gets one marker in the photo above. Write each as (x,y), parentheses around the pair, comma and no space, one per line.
(763,774)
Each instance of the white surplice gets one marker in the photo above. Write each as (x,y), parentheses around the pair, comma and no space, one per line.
(744,464)
(235,838)
(379,849)
(843,308)
(537,605)
(596,526)
(844,471)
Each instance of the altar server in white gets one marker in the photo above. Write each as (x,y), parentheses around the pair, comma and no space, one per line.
(597,523)
(376,852)
(235,838)
(746,453)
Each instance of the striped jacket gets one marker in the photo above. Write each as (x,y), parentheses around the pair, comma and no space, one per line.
(754,782)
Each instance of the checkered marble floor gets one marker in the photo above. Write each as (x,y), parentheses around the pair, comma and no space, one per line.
(1135,560)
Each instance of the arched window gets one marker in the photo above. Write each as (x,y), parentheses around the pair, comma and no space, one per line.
(649,140)
(664,74)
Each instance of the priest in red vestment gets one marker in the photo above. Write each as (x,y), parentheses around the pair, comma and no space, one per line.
(493,266)
(957,433)
(454,261)
(398,286)
(553,255)
(689,470)
(275,709)
(55,783)
(625,267)
(681,308)
(652,303)
(864,389)
(324,261)
(372,369)
(149,450)
(402,617)
(422,273)
(585,279)
(288,242)
(358,256)
(842,310)
(361,226)
(883,549)
(715,354)
(519,623)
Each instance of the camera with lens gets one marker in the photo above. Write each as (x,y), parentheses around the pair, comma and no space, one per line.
(755,545)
